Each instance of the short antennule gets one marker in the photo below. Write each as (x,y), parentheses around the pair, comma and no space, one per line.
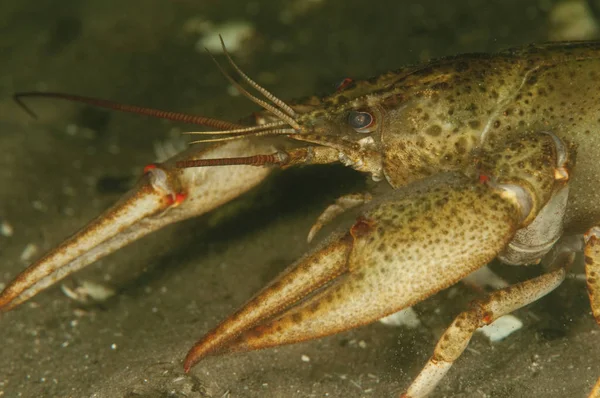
(139,110)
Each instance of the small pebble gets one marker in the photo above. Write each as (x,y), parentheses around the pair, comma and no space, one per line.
(572,20)
(6,229)
(114,149)
(39,205)
(234,35)
(232,91)
(305,358)
(88,291)
(69,190)
(72,129)
(406,317)
(29,251)
(485,277)
(501,328)
(97,291)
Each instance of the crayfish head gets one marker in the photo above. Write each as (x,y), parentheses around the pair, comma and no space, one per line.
(347,134)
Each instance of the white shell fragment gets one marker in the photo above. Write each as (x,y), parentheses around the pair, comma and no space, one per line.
(501,328)
(6,229)
(406,317)
(29,252)
(485,277)
(572,20)
(234,35)
(88,292)
(168,148)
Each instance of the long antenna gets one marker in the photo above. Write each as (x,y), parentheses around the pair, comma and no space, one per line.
(277,158)
(140,110)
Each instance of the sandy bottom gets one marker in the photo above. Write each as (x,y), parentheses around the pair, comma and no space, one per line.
(60,171)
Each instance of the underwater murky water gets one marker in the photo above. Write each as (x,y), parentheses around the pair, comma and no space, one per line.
(61,170)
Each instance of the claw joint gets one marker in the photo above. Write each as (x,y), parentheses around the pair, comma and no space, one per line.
(164,183)
(362,227)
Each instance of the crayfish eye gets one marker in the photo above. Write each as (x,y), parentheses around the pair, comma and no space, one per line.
(361,122)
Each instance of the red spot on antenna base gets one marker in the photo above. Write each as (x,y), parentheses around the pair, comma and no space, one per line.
(149,167)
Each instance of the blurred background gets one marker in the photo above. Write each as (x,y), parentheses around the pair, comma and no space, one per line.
(59,171)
